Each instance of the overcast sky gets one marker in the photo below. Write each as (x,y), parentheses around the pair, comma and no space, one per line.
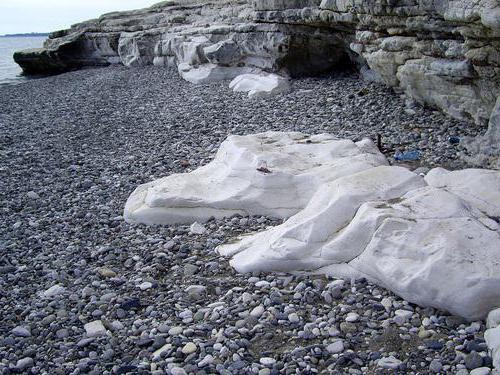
(24,16)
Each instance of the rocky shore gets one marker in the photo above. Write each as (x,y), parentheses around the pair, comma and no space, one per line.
(81,291)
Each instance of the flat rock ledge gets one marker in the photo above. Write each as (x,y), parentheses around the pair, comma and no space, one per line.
(432,240)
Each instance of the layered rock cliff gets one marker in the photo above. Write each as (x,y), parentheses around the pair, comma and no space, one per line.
(441,53)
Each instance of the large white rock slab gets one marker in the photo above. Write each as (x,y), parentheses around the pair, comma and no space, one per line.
(260,85)
(270,173)
(434,249)
(479,187)
(332,229)
(207,73)
(435,241)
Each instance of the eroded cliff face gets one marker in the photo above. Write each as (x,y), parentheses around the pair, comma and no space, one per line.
(442,53)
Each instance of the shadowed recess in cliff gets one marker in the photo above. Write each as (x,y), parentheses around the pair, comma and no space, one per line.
(315,52)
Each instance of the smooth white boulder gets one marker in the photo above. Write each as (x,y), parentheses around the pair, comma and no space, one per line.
(207,73)
(260,85)
(332,229)
(271,173)
(432,248)
(434,241)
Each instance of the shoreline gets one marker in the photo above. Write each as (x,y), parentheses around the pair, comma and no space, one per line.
(77,144)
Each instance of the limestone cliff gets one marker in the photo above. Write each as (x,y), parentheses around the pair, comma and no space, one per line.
(442,53)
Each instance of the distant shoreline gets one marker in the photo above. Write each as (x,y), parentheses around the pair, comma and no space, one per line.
(24,35)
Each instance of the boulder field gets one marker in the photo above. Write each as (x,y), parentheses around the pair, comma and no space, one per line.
(441,53)
(434,239)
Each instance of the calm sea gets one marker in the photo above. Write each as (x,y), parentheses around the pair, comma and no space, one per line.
(9,70)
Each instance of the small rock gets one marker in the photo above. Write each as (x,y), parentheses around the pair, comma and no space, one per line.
(197,228)
(190,270)
(174,331)
(32,195)
(335,347)
(262,284)
(106,272)
(196,291)
(352,317)
(54,291)
(473,361)
(293,318)
(389,363)
(95,328)
(189,348)
(257,311)
(206,361)
(145,285)
(24,363)
(347,327)
(21,332)
(178,371)
(267,361)
(435,366)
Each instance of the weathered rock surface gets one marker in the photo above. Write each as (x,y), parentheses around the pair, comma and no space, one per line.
(434,241)
(485,150)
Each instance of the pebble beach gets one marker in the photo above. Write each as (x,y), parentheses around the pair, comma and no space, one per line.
(84,292)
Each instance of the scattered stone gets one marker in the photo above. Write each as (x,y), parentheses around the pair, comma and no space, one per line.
(267,361)
(54,291)
(196,291)
(189,348)
(106,272)
(197,228)
(352,317)
(389,363)
(21,332)
(174,331)
(95,329)
(257,311)
(435,366)
(335,347)
(32,195)
(178,371)
(24,363)
(145,285)
(473,360)
(293,318)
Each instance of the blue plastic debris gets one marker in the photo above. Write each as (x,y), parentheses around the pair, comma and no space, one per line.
(454,140)
(408,155)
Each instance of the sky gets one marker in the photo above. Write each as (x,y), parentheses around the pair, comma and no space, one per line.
(24,16)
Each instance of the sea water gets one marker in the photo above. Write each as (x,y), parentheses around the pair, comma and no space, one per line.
(10,72)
